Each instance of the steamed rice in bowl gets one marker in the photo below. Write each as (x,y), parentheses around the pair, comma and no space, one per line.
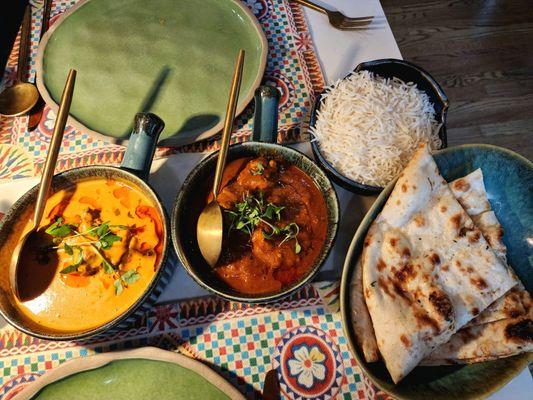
(368,127)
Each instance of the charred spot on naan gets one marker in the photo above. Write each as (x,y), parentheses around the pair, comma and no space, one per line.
(442,304)
(381,265)
(521,331)
(480,283)
(405,340)
(434,259)
(406,273)
(461,185)
(420,221)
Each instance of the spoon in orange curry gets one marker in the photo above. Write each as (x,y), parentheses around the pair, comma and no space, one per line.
(210,227)
(46,179)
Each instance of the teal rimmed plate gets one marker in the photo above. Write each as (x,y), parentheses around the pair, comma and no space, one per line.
(509,182)
(145,373)
(170,57)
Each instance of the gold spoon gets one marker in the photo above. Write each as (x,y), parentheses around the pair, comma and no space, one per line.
(209,230)
(22,96)
(46,179)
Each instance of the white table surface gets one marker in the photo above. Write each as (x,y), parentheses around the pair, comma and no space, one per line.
(339,52)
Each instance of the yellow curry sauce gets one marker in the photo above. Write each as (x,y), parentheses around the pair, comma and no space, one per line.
(96,252)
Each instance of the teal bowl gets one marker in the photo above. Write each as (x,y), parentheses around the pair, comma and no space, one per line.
(509,182)
(191,201)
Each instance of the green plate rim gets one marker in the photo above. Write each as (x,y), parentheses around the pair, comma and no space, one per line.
(83,364)
(173,140)
(349,268)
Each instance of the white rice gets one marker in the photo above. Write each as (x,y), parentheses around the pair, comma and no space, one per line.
(368,127)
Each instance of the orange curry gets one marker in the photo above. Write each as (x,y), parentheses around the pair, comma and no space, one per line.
(96,252)
(277,220)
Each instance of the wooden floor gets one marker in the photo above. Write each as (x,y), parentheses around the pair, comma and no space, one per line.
(481,52)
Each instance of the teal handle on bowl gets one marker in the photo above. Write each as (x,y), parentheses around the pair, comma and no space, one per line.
(142,143)
(266,114)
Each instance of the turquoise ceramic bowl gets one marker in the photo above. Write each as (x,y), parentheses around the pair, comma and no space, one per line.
(134,170)
(509,182)
(191,201)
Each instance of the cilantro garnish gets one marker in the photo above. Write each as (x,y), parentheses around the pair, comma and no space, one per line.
(252,211)
(128,278)
(259,169)
(58,229)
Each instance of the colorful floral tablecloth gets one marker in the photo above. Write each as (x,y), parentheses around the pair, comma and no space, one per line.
(291,65)
(300,336)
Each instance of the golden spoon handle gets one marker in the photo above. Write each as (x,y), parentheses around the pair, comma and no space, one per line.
(24,46)
(228,121)
(53,150)
(312,5)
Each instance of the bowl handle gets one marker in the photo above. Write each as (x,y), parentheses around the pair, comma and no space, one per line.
(141,147)
(266,114)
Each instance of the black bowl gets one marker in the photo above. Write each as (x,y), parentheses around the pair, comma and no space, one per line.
(386,68)
(191,201)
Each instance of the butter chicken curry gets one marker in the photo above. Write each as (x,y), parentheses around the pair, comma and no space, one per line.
(277,220)
(95,254)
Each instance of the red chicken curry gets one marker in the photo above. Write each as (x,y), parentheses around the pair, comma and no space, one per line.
(277,220)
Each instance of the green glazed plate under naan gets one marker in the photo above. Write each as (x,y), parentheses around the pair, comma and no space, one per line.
(509,183)
(169,57)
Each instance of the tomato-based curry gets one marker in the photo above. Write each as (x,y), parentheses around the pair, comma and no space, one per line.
(96,252)
(277,220)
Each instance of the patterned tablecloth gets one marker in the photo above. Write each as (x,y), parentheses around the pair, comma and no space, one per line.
(291,65)
(300,336)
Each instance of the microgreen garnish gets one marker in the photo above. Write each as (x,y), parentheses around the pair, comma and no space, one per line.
(58,229)
(68,249)
(127,278)
(252,211)
(259,169)
(73,267)
(98,237)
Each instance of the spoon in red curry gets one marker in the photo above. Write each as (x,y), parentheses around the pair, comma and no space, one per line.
(210,227)
(44,187)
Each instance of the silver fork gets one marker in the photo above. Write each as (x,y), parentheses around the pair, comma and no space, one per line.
(337,19)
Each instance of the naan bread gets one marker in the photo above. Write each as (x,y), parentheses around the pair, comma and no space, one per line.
(471,193)
(503,338)
(363,329)
(427,269)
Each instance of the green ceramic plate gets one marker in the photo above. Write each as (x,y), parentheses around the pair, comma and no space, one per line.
(146,373)
(509,181)
(174,58)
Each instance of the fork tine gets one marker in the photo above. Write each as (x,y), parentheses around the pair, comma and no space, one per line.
(349,20)
(353,25)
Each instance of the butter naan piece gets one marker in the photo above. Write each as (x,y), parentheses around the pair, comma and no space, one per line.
(427,269)
(362,323)
(502,338)
(471,193)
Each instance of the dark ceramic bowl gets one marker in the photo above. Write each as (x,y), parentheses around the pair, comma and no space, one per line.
(191,201)
(508,179)
(134,168)
(386,68)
